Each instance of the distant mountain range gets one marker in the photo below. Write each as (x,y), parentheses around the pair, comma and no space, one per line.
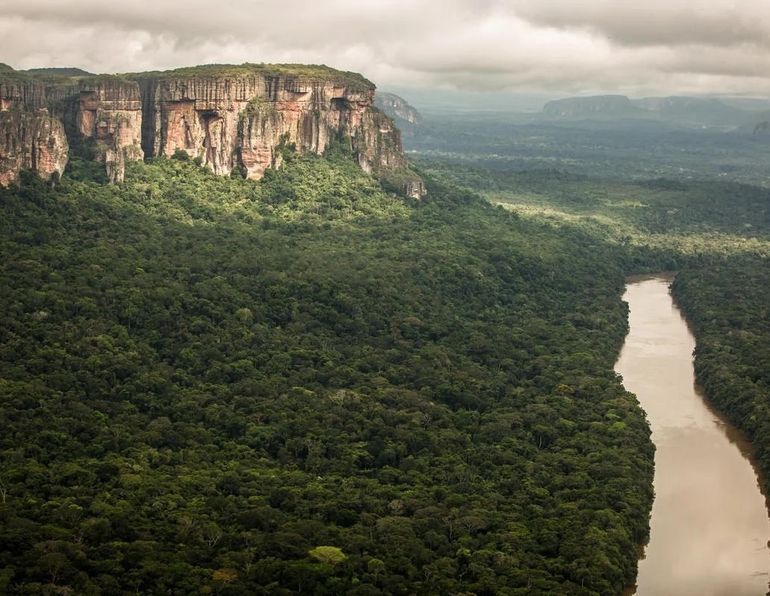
(702,111)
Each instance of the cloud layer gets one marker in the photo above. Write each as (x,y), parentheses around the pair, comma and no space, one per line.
(564,46)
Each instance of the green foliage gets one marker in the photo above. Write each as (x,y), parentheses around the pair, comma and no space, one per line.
(86,170)
(331,555)
(181,155)
(203,378)
(727,303)
(258,105)
(60,72)
(717,233)
(314,72)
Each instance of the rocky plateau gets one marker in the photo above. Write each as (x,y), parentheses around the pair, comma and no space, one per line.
(229,118)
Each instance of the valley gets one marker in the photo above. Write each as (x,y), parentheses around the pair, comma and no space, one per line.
(363,370)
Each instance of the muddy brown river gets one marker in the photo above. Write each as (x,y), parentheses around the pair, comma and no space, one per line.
(709,523)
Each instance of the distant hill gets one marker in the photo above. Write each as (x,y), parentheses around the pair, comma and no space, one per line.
(759,127)
(599,106)
(694,109)
(406,116)
(748,104)
(681,110)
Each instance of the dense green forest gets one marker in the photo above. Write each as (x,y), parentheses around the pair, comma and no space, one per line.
(312,385)
(308,384)
(715,234)
(729,308)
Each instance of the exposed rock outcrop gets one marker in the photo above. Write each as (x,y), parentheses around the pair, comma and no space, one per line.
(110,112)
(228,117)
(407,118)
(397,107)
(380,153)
(98,108)
(240,120)
(31,140)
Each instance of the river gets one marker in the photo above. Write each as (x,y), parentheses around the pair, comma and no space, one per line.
(709,522)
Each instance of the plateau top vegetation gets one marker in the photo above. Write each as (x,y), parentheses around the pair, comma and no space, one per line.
(314,72)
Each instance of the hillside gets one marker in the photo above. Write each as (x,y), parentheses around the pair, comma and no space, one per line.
(308,384)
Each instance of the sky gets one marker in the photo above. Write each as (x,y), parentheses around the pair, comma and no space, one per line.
(553,47)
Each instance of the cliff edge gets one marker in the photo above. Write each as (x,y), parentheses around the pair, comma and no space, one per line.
(229,118)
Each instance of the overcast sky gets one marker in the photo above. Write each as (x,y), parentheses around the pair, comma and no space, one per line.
(638,47)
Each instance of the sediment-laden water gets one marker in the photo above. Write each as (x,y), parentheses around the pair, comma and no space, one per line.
(709,525)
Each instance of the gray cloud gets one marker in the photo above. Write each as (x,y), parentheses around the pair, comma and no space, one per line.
(658,46)
(658,22)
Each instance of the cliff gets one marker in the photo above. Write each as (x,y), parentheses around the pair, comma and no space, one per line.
(406,116)
(109,111)
(31,140)
(230,118)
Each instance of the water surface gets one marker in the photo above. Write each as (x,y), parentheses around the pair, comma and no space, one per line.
(709,524)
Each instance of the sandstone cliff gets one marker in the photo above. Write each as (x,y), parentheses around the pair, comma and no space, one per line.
(228,117)
(238,118)
(109,111)
(104,109)
(31,140)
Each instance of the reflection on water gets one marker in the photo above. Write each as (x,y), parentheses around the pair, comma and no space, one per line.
(709,524)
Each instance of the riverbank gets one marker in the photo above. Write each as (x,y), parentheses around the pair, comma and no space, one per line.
(709,523)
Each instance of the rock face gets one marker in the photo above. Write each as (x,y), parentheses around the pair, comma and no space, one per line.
(230,118)
(406,116)
(110,112)
(235,121)
(31,140)
(104,109)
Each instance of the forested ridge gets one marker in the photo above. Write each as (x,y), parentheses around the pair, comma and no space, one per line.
(310,385)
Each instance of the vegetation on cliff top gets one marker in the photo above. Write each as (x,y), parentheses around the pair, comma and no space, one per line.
(64,72)
(320,72)
(314,72)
